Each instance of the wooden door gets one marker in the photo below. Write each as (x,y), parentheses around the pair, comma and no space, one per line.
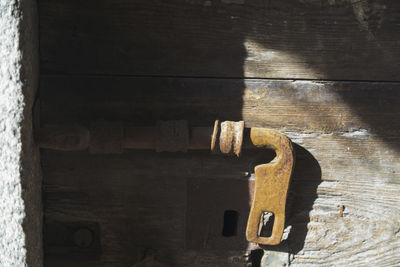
(326,73)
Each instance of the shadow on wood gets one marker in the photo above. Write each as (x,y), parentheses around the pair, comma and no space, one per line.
(302,194)
(141,61)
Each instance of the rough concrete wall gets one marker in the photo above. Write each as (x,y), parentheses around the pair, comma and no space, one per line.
(20,180)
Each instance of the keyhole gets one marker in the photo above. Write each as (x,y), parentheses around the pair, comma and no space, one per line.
(230,223)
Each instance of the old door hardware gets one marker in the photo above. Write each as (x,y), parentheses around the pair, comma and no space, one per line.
(228,137)
(271,185)
(104,137)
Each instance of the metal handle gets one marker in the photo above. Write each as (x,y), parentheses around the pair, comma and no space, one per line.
(271,185)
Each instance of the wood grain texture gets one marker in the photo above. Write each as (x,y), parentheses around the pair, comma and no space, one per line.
(303,106)
(139,201)
(359,174)
(341,40)
(347,146)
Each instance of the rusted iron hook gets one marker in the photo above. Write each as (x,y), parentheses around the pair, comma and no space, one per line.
(271,185)
(272,179)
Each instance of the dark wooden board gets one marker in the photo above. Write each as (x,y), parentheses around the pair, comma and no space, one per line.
(303,106)
(341,40)
(347,146)
(139,201)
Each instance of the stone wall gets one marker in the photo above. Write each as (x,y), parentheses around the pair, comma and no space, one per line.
(20,179)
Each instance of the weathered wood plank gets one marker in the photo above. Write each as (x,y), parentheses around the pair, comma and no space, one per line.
(348,145)
(359,173)
(351,40)
(303,106)
(139,201)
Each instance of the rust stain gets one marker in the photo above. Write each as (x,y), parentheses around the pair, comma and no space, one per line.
(226,137)
(271,185)
(341,210)
(231,137)
(238,129)
(214,135)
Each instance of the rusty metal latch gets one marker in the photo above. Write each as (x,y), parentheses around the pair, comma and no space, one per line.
(271,180)
(271,185)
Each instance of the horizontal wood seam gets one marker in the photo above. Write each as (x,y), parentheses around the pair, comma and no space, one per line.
(212,77)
